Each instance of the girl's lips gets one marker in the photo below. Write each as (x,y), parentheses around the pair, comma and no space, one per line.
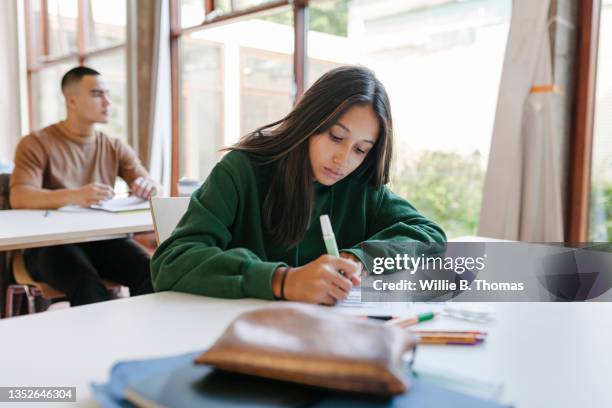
(332,174)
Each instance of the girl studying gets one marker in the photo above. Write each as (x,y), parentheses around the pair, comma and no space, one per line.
(252,229)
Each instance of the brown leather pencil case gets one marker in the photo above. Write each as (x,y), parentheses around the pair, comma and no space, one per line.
(316,346)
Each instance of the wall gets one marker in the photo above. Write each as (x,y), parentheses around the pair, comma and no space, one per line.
(10,109)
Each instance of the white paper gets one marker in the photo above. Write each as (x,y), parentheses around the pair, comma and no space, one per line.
(123,204)
(354,306)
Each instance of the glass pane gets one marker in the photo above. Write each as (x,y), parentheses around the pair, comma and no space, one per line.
(266,66)
(48,104)
(34,28)
(62,27)
(330,17)
(317,67)
(441,64)
(192,12)
(235,77)
(266,84)
(112,66)
(227,6)
(201,106)
(223,6)
(600,226)
(107,20)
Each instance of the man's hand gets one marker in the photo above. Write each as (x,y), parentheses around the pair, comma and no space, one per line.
(144,188)
(348,255)
(92,193)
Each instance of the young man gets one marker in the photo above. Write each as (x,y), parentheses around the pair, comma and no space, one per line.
(72,163)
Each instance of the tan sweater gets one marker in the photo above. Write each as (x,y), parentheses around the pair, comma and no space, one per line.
(54,158)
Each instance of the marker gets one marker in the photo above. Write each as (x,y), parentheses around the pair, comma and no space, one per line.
(328,236)
(384,318)
(410,321)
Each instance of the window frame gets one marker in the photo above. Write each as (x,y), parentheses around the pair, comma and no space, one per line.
(221,49)
(581,143)
(300,26)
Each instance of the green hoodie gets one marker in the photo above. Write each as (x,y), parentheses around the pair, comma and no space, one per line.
(219,248)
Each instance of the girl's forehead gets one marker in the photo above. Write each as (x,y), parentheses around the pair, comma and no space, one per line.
(359,122)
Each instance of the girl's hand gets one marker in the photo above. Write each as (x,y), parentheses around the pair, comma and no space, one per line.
(348,255)
(321,281)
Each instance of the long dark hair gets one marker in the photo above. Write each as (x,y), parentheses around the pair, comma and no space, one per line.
(287,207)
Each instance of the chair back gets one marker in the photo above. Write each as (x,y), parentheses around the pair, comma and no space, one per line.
(167,212)
(4,191)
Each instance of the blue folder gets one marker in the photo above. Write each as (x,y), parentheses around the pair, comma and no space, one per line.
(178,382)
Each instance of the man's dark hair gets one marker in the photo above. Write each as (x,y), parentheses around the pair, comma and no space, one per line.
(75,75)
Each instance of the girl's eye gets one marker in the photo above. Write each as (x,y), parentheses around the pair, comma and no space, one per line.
(359,151)
(335,138)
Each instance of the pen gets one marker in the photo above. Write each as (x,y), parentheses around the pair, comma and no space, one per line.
(413,320)
(328,236)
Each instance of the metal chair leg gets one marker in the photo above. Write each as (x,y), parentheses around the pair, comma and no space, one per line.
(30,297)
(10,293)
(13,293)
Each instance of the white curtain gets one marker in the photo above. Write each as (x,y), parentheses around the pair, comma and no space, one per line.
(10,66)
(161,112)
(522,197)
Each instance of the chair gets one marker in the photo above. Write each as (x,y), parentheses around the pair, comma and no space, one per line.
(4,258)
(24,284)
(167,212)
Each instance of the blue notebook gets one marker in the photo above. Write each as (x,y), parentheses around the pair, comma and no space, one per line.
(177,382)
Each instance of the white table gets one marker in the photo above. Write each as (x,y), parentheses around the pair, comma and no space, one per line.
(545,354)
(21,229)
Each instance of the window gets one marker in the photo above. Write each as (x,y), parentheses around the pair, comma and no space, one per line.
(233,78)
(438,60)
(600,225)
(424,52)
(49,106)
(192,12)
(265,87)
(202,97)
(227,6)
(62,34)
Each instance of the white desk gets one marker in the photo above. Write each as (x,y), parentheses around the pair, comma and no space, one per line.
(31,228)
(546,354)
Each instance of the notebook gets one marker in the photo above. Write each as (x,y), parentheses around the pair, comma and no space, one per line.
(122,204)
(177,382)
(203,386)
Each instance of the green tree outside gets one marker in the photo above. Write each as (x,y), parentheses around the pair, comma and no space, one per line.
(329,17)
(445,187)
(600,214)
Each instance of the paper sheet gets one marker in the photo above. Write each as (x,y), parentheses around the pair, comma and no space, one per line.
(354,306)
(123,204)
